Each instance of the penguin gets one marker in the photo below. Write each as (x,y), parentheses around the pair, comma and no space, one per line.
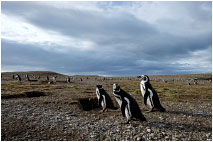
(129,106)
(104,99)
(13,76)
(54,79)
(150,96)
(48,78)
(33,76)
(17,77)
(68,80)
(27,77)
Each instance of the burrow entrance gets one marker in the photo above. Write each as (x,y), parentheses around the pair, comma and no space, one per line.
(88,104)
(35,94)
(24,95)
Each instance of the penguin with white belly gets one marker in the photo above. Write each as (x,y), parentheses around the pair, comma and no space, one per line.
(150,95)
(104,99)
(127,103)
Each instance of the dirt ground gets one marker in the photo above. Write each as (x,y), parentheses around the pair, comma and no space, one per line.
(36,110)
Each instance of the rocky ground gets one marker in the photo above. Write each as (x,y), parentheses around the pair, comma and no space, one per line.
(57,116)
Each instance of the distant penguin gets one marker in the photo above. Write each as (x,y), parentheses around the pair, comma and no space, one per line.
(33,76)
(150,95)
(27,77)
(68,80)
(128,104)
(13,76)
(48,78)
(54,79)
(104,99)
(17,77)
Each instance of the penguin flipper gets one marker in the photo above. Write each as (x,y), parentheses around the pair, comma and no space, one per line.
(123,105)
(145,98)
(100,100)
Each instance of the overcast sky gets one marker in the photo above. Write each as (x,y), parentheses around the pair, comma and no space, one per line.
(107,38)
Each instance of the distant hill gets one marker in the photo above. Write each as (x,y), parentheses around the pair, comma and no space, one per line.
(206,76)
(40,73)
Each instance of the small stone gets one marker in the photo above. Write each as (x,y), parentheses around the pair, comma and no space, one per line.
(163,133)
(161,118)
(166,137)
(149,130)
(68,113)
(139,139)
(151,135)
(128,127)
(67,118)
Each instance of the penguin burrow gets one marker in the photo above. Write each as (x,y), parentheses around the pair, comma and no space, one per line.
(150,96)
(128,104)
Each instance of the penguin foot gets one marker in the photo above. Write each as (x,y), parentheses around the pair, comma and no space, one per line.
(148,111)
(162,110)
(105,110)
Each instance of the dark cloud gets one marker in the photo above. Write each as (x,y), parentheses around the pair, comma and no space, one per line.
(124,44)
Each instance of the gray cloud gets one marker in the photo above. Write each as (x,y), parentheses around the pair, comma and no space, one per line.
(124,44)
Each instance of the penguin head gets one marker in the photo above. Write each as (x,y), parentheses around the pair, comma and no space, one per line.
(144,78)
(99,86)
(116,87)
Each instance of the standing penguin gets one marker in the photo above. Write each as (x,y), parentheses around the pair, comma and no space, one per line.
(127,103)
(48,78)
(68,80)
(54,79)
(27,77)
(104,99)
(17,77)
(150,95)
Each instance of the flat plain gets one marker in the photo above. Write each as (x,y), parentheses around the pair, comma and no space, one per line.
(36,110)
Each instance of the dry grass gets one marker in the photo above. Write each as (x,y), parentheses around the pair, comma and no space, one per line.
(172,90)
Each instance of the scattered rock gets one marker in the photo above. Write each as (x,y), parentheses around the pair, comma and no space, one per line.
(148,130)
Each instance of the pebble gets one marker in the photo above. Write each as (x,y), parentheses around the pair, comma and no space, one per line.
(83,127)
(139,139)
(67,118)
(68,113)
(149,130)
(167,138)
(151,135)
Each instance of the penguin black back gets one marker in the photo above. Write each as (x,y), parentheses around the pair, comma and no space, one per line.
(109,102)
(134,107)
(149,92)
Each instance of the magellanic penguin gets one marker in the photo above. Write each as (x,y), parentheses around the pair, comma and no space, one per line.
(104,99)
(150,95)
(128,104)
